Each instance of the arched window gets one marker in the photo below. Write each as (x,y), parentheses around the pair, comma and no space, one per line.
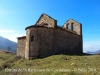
(68,26)
(32,38)
(72,25)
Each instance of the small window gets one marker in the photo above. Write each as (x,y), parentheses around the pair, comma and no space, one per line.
(32,38)
(68,26)
(72,25)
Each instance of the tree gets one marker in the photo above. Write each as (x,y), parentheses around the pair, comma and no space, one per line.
(9,48)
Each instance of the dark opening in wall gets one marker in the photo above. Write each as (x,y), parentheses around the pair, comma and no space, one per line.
(68,26)
(72,25)
(32,38)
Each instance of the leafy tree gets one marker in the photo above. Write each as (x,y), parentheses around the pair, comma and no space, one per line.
(9,48)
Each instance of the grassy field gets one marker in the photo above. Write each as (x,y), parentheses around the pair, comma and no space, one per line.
(52,65)
(5,56)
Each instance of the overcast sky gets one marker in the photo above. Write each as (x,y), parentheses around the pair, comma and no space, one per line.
(15,15)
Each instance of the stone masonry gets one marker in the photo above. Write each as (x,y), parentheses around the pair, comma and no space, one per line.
(46,38)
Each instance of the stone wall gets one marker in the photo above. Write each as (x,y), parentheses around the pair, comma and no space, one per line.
(46,19)
(74,26)
(21,47)
(46,38)
(34,43)
(66,42)
(27,45)
(42,44)
(49,41)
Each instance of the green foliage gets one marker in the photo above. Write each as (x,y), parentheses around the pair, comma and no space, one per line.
(54,65)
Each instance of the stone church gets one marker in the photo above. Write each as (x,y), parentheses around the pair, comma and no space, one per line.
(46,38)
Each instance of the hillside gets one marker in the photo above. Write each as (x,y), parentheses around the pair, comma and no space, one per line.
(52,65)
(5,56)
(5,43)
(95,52)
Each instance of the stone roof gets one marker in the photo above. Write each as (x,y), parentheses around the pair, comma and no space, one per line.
(48,26)
(47,16)
(60,27)
(22,37)
(73,20)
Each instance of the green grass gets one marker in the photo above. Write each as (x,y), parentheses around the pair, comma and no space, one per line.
(4,56)
(55,65)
